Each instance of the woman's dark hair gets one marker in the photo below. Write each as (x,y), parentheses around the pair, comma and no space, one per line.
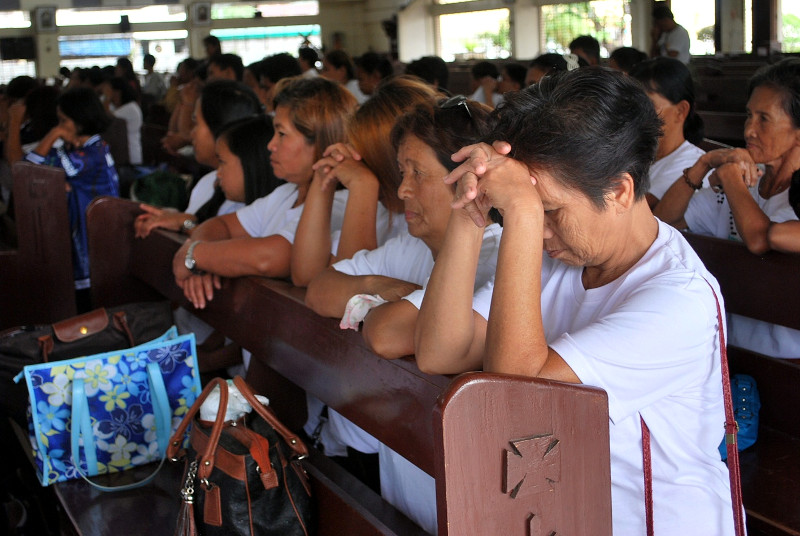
(627,58)
(584,127)
(20,86)
(516,72)
(445,127)
(671,79)
(127,67)
(339,59)
(279,66)
(40,107)
(783,77)
(83,106)
(127,94)
(483,69)
(549,62)
(432,69)
(222,103)
(372,62)
(248,139)
(225,101)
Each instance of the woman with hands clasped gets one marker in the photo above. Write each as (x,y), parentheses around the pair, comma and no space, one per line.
(590,288)
(367,167)
(310,115)
(220,104)
(387,282)
(743,201)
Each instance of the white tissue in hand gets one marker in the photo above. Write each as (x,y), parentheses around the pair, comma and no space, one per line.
(357,308)
(237,404)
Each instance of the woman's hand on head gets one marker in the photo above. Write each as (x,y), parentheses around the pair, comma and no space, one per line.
(16,113)
(488,177)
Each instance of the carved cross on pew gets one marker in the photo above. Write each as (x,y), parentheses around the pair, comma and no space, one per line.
(532,465)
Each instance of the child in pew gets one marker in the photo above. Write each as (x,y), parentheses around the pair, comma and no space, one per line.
(744,202)
(367,166)
(89,167)
(389,279)
(590,288)
(669,85)
(220,104)
(310,115)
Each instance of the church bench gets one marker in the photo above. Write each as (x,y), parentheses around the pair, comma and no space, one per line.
(36,285)
(766,288)
(483,437)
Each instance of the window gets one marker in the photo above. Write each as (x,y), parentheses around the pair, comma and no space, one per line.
(473,35)
(697,16)
(244,10)
(609,21)
(790,25)
(254,44)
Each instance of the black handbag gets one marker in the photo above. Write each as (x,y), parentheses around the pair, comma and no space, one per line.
(101,330)
(242,477)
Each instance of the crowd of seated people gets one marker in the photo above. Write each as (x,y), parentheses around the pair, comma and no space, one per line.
(384,196)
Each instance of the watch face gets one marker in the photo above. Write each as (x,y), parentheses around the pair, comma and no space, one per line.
(189,224)
(189,262)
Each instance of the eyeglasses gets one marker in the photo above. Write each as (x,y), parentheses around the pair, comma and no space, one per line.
(455,102)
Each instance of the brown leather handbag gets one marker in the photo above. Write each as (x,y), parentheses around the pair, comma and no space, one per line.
(242,477)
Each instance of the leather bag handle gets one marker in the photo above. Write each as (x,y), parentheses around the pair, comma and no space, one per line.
(294,442)
(205,460)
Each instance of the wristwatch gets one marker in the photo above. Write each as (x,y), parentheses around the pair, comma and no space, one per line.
(189,261)
(188,224)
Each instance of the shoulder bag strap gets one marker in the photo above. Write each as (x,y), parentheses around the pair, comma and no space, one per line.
(205,459)
(290,437)
(731,428)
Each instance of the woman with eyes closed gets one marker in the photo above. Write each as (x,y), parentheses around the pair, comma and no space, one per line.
(590,288)
(310,115)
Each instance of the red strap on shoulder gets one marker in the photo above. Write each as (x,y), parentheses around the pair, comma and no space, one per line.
(730,441)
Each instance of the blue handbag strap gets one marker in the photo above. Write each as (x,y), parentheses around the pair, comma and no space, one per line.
(82,427)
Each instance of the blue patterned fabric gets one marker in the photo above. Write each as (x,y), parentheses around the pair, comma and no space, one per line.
(122,424)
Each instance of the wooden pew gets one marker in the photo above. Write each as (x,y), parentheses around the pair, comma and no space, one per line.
(765,288)
(479,435)
(36,285)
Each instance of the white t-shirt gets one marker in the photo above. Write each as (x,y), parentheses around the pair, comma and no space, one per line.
(132,115)
(204,190)
(404,485)
(352,87)
(676,40)
(275,214)
(480,96)
(650,339)
(665,171)
(710,214)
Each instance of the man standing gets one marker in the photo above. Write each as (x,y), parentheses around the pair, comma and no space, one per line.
(668,37)
(153,82)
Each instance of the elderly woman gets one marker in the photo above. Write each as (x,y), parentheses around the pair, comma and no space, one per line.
(742,202)
(590,288)
(395,272)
